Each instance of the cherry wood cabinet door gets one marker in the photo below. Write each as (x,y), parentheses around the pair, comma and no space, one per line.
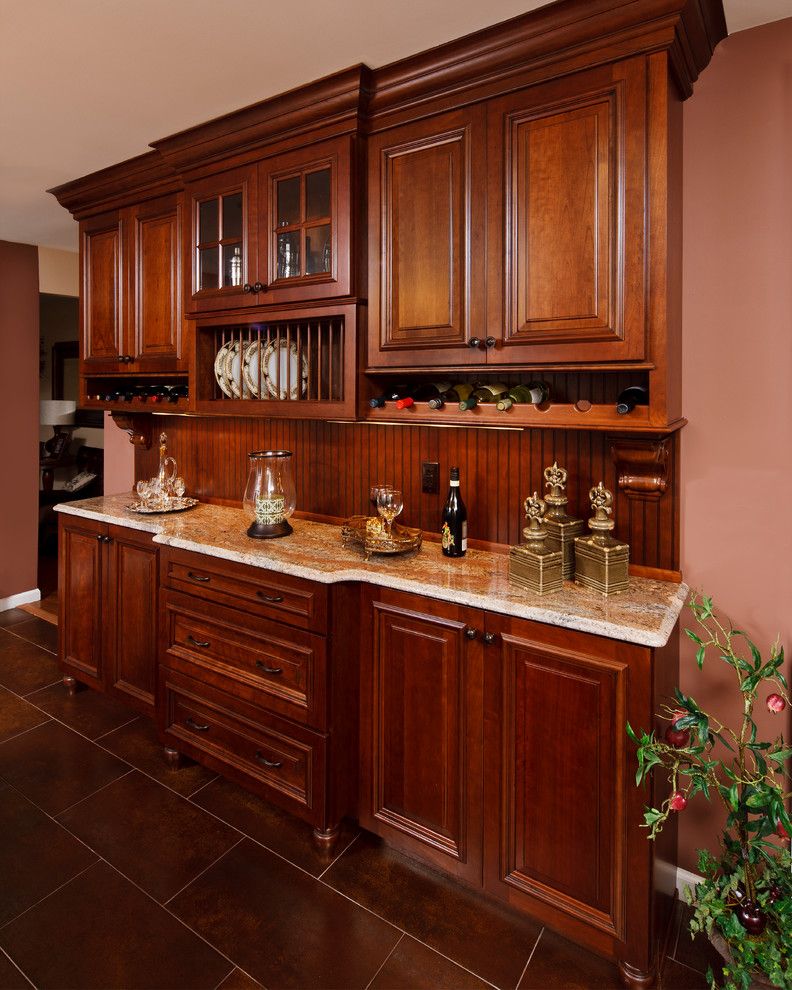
(566,237)
(426,192)
(305,213)
(155,325)
(554,770)
(103,295)
(130,616)
(421,728)
(82,574)
(220,241)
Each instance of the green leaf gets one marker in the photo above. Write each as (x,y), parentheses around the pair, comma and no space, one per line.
(631,733)
(691,635)
(780,755)
(700,657)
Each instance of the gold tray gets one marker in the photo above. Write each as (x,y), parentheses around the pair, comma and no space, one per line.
(367,534)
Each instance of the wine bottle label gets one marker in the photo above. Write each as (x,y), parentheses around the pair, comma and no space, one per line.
(447,539)
(464,537)
(454,483)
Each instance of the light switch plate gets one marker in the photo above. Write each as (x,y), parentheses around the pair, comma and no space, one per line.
(430,477)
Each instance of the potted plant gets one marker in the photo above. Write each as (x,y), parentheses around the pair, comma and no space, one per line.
(744,902)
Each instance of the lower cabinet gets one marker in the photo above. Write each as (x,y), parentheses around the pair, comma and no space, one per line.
(495,748)
(108,578)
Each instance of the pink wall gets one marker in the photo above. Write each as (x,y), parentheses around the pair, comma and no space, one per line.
(19,413)
(737,359)
(119,459)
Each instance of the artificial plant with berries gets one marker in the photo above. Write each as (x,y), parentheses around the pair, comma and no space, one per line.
(746,894)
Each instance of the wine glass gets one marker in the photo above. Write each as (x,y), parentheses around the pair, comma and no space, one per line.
(389,505)
(374,491)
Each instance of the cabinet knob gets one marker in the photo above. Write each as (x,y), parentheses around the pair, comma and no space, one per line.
(247,287)
(192,724)
(274,764)
(490,638)
(471,633)
(490,342)
(259,287)
(474,342)
(104,539)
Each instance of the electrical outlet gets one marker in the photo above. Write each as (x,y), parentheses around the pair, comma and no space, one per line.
(430,477)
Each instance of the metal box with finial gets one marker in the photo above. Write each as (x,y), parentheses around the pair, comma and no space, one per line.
(601,562)
(533,564)
(561,528)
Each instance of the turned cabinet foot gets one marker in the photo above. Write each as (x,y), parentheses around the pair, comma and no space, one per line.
(634,978)
(173,758)
(71,685)
(325,838)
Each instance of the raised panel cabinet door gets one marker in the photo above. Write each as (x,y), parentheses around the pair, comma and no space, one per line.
(305,217)
(421,731)
(154,338)
(555,757)
(82,566)
(567,237)
(132,611)
(103,295)
(220,241)
(426,240)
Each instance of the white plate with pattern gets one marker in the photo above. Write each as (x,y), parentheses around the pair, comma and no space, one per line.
(219,369)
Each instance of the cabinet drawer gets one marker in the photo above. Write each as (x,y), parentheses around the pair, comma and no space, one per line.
(270,664)
(292,600)
(281,761)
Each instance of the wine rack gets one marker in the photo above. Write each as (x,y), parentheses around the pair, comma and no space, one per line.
(136,393)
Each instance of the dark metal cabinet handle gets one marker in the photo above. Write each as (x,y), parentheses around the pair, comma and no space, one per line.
(490,342)
(272,599)
(490,638)
(247,287)
(259,287)
(474,342)
(471,633)
(273,764)
(203,643)
(268,670)
(104,539)
(197,577)
(192,724)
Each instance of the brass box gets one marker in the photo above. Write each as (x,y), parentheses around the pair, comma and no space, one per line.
(538,572)
(602,567)
(561,536)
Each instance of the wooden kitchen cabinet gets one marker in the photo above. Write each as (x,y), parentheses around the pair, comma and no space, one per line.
(421,730)
(103,295)
(107,610)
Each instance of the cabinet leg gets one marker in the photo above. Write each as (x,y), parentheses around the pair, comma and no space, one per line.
(173,758)
(71,685)
(634,978)
(325,838)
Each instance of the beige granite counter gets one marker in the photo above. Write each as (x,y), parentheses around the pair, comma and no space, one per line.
(645,614)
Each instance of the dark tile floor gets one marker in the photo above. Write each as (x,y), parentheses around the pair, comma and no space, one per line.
(117,872)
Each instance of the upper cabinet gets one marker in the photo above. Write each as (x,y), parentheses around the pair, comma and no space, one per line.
(272,232)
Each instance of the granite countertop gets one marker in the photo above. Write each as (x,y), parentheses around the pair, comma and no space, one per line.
(644,614)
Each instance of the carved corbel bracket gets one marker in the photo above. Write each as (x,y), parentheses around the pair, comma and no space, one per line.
(641,467)
(137,426)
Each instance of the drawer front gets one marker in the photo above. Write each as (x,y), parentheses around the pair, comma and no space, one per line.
(284,762)
(272,665)
(266,593)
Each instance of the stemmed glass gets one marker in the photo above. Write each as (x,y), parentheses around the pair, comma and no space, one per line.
(374,491)
(389,505)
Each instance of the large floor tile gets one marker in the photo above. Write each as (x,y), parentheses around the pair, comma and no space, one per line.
(12,616)
(10,977)
(90,713)
(282,926)
(36,854)
(557,962)
(43,634)
(100,931)
(148,833)
(456,922)
(17,715)
(277,830)
(414,966)
(695,953)
(675,976)
(137,743)
(25,667)
(239,981)
(55,767)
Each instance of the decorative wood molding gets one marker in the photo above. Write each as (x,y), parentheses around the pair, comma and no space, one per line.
(138,426)
(641,467)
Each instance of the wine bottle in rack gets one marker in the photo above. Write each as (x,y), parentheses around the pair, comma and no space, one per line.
(391,395)
(534,393)
(423,392)
(176,392)
(455,393)
(483,394)
(629,398)
(454,529)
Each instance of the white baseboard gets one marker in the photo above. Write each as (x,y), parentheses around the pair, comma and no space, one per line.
(23,598)
(684,878)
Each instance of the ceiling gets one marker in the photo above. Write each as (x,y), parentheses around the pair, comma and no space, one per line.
(88,83)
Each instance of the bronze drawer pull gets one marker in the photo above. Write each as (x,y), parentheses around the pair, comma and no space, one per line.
(272,764)
(272,599)
(192,724)
(203,643)
(268,670)
(197,577)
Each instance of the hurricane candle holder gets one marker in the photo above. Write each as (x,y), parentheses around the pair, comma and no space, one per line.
(269,496)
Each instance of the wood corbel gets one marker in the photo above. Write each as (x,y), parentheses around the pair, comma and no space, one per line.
(137,426)
(641,467)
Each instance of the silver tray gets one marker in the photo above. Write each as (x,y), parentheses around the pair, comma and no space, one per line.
(177,505)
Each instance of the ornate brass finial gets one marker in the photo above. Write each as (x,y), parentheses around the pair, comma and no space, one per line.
(535,509)
(532,564)
(555,480)
(602,504)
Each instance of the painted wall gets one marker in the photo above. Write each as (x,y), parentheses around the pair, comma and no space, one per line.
(119,459)
(59,271)
(737,360)
(19,413)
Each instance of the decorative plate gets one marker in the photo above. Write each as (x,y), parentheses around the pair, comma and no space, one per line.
(250,369)
(177,505)
(219,369)
(280,364)
(233,370)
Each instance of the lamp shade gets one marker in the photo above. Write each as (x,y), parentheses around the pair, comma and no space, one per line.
(56,412)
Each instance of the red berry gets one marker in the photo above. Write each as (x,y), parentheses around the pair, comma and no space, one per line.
(782,831)
(775,703)
(677,737)
(677,801)
(751,917)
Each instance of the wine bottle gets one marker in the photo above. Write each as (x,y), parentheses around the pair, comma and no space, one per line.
(454,530)
(534,393)
(629,398)
(176,392)
(392,395)
(483,393)
(455,393)
(423,392)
